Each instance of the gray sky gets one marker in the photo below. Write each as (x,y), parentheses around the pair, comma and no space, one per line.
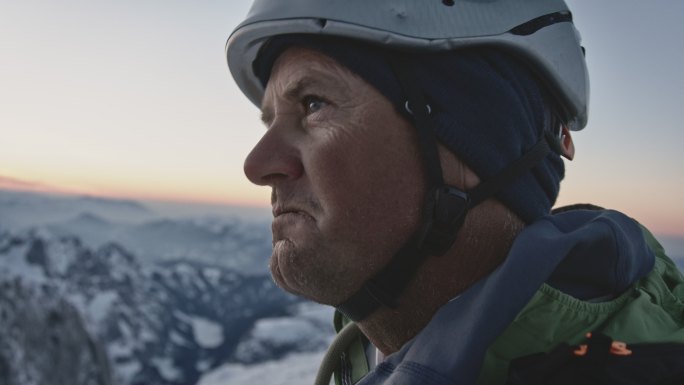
(133,98)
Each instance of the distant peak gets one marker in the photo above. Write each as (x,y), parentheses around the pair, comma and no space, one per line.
(113,202)
(87,216)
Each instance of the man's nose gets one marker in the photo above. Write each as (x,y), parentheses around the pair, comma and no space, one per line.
(274,159)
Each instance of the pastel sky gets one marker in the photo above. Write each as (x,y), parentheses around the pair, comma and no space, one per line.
(133,98)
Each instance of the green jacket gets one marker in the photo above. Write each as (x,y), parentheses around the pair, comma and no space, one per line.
(651,310)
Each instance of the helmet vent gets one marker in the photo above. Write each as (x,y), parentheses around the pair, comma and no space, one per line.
(448,3)
(322,22)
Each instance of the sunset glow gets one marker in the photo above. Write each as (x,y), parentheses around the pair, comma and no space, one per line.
(134,100)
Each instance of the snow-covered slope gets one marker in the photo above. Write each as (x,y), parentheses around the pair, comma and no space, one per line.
(163,324)
(293,369)
(145,298)
(43,340)
(279,350)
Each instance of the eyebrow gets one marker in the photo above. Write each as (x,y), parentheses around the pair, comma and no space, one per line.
(293,92)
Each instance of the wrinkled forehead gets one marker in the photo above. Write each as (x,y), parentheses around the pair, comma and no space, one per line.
(348,62)
(298,69)
(297,62)
(352,54)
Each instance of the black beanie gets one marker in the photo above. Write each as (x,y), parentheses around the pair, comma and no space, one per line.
(487,108)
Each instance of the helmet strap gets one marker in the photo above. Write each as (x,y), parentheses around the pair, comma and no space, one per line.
(444,210)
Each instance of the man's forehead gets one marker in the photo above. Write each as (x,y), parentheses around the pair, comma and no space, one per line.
(298,69)
(298,64)
(295,52)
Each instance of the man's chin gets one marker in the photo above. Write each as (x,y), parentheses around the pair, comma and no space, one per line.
(280,278)
(293,286)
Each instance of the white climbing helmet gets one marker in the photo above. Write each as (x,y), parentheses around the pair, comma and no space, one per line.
(540,32)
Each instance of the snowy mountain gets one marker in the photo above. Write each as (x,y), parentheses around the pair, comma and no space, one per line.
(279,350)
(43,340)
(229,242)
(293,369)
(234,241)
(162,324)
(27,209)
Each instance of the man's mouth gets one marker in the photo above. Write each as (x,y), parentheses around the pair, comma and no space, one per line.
(279,211)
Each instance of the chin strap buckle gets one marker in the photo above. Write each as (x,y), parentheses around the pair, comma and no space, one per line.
(445,208)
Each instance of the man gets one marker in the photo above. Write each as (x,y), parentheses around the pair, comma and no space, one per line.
(414,153)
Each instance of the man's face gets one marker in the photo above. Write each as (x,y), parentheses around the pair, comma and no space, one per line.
(346,177)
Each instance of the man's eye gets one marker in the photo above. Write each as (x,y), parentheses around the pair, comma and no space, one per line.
(313,103)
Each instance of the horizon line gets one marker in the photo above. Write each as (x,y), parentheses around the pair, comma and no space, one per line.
(39,188)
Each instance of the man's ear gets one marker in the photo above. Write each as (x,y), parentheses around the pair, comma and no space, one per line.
(566,144)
